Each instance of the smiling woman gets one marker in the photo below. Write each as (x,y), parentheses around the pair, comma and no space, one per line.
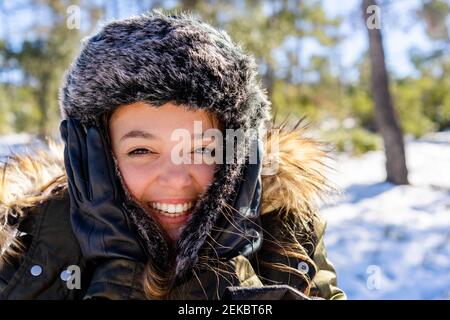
(138,223)
(142,142)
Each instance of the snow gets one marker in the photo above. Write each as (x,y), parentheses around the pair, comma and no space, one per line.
(387,241)
(12,143)
(18,143)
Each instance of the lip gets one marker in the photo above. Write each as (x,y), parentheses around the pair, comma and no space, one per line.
(174,220)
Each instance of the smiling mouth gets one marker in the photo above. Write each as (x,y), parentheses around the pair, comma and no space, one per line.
(172,209)
(171,213)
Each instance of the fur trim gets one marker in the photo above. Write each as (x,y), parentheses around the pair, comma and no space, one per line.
(159,58)
(28,180)
(300,182)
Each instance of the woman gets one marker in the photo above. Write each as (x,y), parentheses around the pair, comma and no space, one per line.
(132,212)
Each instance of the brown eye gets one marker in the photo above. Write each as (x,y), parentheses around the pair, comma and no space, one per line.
(139,152)
(205,151)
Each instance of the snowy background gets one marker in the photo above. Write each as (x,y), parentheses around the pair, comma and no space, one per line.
(393,242)
(386,241)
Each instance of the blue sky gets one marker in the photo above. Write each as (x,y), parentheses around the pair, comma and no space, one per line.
(401,33)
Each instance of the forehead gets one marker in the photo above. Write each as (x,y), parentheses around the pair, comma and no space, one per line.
(161,119)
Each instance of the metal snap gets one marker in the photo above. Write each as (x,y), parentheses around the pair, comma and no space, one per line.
(36,270)
(65,275)
(303,267)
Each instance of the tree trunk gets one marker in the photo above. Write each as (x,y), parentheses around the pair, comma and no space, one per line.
(385,116)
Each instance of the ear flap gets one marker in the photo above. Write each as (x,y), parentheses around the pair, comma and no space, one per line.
(151,235)
(240,232)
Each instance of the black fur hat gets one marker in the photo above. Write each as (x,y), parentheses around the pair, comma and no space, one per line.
(160,58)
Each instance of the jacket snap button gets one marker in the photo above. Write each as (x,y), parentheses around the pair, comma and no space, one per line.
(65,275)
(36,270)
(303,267)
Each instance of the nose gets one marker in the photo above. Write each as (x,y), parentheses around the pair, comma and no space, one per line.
(174,176)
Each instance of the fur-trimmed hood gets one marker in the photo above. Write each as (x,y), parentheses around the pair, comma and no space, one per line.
(160,58)
(295,187)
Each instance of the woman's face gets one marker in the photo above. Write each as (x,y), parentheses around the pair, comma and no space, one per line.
(142,143)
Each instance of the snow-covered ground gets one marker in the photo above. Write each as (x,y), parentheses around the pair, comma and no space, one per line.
(13,142)
(393,242)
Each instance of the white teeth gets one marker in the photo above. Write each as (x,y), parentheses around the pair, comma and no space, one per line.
(172,209)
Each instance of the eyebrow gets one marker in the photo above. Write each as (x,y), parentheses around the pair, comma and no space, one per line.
(138,134)
(148,135)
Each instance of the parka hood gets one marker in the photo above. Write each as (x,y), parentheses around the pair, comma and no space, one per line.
(160,58)
(293,189)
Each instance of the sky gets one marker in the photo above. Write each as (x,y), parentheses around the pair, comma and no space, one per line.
(401,33)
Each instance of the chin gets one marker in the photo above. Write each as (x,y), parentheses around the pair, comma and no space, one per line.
(174,234)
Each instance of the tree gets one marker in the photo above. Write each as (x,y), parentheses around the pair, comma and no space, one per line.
(44,53)
(435,13)
(385,115)
(270,31)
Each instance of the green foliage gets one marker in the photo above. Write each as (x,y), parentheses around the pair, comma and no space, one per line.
(410,99)
(18,110)
(5,113)
(275,33)
(41,60)
(361,106)
(435,13)
(295,100)
(355,141)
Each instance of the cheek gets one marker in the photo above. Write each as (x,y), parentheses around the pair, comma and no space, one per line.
(132,177)
(203,175)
